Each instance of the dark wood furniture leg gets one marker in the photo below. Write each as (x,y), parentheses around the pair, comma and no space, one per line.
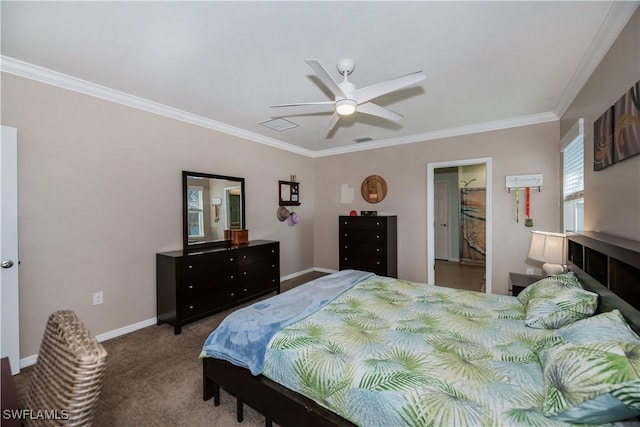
(274,401)
(239,410)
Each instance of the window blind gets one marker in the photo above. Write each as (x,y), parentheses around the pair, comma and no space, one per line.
(573,169)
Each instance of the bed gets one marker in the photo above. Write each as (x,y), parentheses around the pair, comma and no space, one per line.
(371,350)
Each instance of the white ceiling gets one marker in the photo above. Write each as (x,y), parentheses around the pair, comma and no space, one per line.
(221,64)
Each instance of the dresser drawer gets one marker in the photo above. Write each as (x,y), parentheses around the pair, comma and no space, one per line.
(254,255)
(257,270)
(362,236)
(198,265)
(350,260)
(194,307)
(375,250)
(197,305)
(378,266)
(363,223)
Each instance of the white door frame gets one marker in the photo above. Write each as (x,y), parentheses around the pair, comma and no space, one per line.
(9,310)
(431,216)
(448,225)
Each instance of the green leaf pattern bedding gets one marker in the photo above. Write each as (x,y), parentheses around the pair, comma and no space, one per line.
(392,353)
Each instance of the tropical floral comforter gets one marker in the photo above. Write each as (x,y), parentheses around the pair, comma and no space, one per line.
(390,352)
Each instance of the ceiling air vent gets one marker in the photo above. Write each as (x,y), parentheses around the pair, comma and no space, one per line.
(279,124)
(363,139)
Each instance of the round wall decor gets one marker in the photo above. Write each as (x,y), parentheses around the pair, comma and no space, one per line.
(373,189)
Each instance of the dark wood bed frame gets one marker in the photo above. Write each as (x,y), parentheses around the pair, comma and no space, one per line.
(288,408)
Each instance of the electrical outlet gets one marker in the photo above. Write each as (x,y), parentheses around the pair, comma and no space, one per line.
(529,270)
(97,298)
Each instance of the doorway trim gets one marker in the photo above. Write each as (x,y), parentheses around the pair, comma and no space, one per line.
(487,161)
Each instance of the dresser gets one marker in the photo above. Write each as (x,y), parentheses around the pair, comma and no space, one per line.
(195,284)
(369,243)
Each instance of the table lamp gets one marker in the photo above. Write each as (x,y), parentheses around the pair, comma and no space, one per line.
(549,248)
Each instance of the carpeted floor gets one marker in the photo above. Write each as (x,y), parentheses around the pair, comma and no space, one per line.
(154,378)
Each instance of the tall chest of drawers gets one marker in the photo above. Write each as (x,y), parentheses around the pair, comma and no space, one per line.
(192,285)
(369,243)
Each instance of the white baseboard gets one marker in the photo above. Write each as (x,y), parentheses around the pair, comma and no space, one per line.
(31,360)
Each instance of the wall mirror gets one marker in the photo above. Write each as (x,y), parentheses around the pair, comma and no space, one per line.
(211,204)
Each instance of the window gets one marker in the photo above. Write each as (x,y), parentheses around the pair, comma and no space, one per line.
(573,182)
(195,212)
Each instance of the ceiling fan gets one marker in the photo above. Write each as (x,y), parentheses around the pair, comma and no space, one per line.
(349,100)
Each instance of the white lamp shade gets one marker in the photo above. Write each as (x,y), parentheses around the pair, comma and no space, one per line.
(547,247)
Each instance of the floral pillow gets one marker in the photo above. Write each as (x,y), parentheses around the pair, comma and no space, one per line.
(561,306)
(591,370)
(548,286)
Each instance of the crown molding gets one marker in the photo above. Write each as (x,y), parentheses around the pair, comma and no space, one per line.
(54,78)
(617,18)
(445,133)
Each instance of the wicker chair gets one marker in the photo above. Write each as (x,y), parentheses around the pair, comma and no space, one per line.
(67,377)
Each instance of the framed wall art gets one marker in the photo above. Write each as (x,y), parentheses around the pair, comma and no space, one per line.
(603,140)
(627,125)
(288,193)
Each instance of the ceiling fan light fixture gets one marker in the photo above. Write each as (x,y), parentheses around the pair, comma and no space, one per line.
(344,107)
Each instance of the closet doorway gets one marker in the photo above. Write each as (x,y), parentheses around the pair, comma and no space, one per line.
(459,224)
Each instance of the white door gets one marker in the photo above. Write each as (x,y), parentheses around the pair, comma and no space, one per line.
(9,315)
(441,194)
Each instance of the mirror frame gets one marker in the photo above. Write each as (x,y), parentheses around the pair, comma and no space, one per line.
(185,221)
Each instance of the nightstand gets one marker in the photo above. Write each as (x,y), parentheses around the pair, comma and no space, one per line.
(518,281)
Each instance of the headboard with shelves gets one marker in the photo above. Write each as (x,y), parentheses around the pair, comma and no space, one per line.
(614,263)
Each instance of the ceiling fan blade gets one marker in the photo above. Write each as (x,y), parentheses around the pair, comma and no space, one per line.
(333,121)
(369,92)
(299,104)
(325,77)
(376,110)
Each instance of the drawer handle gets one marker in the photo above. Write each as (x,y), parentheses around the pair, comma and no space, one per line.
(377,223)
(273,251)
(231,276)
(377,249)
(244,273)
(244,257)
(190,266)
(190,286)
(233,294)
(230,259)
(378,262)
(244,290)
(273,266)
(377,237)
(191,307)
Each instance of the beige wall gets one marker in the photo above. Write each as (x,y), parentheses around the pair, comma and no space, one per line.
(523,150)
(612,195)
(99,193)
